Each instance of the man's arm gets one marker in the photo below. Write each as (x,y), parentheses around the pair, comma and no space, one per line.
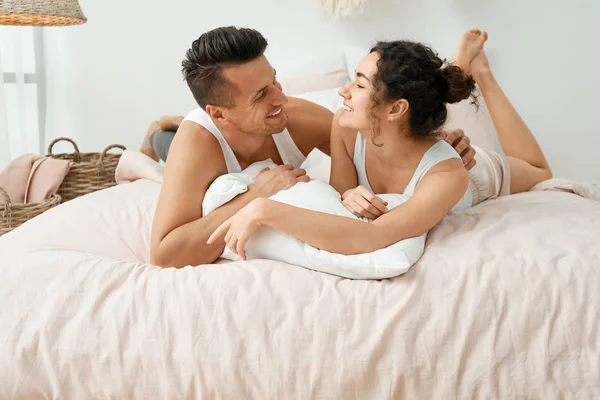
(179,232)
(309,125)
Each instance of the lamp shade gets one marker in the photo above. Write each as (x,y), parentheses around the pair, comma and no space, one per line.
(41,12)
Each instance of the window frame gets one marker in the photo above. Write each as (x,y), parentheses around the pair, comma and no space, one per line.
(39,79)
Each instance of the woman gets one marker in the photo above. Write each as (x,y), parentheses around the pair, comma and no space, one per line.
(385,140)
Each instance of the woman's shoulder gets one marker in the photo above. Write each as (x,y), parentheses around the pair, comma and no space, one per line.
(345,134)
(440,157)
(440,150)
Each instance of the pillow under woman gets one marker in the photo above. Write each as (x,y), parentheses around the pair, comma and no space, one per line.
(384,140)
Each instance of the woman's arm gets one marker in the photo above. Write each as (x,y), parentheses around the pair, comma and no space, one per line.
(435,195)
(343,173)
(343,177)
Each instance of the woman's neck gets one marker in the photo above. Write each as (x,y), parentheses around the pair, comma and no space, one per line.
(397,146)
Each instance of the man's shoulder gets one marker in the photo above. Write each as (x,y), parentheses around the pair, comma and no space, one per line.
(300,111)
(194,144)
(309,124)
(191,132)
(197,115)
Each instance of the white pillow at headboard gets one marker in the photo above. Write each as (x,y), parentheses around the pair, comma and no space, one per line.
(353,55)
(328,98)
(314,83)
(313,73)
(319,62)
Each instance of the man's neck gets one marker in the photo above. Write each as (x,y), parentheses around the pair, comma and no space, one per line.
(245,147)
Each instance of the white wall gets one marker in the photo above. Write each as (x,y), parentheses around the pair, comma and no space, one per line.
(108,78)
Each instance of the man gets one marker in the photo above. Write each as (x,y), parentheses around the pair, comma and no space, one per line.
(243,117)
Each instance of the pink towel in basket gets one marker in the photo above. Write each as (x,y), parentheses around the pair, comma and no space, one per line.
(32,178)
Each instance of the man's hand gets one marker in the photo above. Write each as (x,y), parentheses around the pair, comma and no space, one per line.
(362,203)
(271,181)
(462,144)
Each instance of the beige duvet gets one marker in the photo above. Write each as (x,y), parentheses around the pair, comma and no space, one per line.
(505,303)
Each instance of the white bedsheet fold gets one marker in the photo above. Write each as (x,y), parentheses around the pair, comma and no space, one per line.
(503,304)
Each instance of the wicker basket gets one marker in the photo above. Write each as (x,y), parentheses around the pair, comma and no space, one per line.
(41,12)
(90,171)
(13,215)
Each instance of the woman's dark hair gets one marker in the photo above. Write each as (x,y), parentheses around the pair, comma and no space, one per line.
(203,64)
(414,72)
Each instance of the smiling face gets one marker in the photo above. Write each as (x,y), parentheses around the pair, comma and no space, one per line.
(359,111)
(257,108)
(371,105)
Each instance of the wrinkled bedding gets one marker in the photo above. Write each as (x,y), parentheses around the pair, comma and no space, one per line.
(504,303)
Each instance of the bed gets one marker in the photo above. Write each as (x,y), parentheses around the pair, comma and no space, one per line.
(505,303)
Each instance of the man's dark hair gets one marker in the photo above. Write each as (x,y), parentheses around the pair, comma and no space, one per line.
(203,65)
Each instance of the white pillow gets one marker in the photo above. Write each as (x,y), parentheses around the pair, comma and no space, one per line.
(312,83)
(315,63)
(328,98)
(353,55)
(316,195)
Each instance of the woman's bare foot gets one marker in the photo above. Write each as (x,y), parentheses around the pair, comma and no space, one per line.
(147,148)
(471,43)
(480,67)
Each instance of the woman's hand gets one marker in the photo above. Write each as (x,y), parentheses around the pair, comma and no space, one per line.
(362,203)
(240,227)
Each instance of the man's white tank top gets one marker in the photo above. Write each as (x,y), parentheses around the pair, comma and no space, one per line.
(441,151)
(288,151)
